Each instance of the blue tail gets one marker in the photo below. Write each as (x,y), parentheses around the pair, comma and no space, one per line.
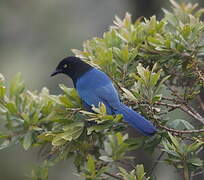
(136,120)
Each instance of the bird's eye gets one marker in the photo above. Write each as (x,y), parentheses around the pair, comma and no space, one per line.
(65,66)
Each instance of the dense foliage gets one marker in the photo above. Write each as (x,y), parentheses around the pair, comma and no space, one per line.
(156,65)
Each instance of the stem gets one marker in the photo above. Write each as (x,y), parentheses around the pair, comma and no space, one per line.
(185,171)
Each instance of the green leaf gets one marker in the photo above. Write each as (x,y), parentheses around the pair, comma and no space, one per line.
(46,136)
(156,98)
(108,148)
(27,140)
(11,106)
(106,158)
(136,174)
(196,162)
(71,132)
(91,164)
(80,54)
(194,146)
(65,101)
(2,136)
(102,108)
(124,54)
(58,140)
(66,90)
(141,71)
(155,77)
(180,124)
(5,144)
(40,172)
(158,87)
(16,86)
(172,152)
(73,125)
(2,91)
(199,13)
(125,174)
(2,79)
(71,98)
(174,140)
(140,172)
(98,128)
(154,41)
(129,95)
(118,118)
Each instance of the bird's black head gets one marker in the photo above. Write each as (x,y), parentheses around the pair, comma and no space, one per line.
(72,66)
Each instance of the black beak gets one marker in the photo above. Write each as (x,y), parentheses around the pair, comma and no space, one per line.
(55,73)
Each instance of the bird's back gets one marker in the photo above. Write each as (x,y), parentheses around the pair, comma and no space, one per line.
(95,86)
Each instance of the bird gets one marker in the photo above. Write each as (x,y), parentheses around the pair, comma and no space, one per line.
(95,87)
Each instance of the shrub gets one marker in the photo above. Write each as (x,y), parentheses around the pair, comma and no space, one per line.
(157,67)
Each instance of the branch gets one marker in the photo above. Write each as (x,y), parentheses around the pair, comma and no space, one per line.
(180,131)
(185,108)
(168,105)
(192,112)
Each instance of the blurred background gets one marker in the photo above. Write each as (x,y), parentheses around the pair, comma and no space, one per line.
(35,35)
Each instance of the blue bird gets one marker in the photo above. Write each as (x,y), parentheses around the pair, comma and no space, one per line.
(94,86)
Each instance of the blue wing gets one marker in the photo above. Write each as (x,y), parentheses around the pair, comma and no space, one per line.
(94,87)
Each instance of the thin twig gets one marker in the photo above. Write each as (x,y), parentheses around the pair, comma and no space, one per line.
(168,105)
(168,98)
(192,112)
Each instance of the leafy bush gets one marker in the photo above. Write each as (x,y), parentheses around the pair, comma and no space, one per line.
(156,65)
